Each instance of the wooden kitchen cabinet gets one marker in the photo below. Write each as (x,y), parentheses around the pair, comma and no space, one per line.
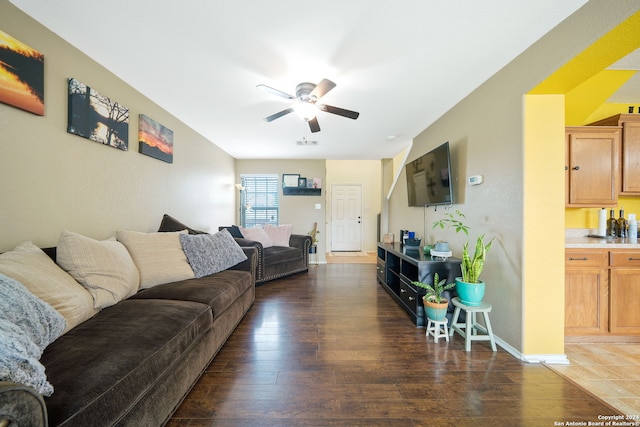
(586,292)
(630,140)
(592,154)
(624,294)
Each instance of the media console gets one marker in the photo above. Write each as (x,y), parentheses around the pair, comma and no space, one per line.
(398,267)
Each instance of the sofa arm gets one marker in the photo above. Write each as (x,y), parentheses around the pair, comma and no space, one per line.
(246,243)
(21,405)
(300,241)
(250,264)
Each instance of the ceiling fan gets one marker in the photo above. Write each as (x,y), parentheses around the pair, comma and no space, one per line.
(306,103)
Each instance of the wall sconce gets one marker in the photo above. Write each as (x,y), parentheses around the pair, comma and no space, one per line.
(239,187)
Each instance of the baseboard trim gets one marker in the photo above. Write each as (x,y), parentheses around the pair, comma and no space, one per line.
(550,359)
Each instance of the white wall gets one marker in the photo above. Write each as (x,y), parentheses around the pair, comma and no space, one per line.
(51,180)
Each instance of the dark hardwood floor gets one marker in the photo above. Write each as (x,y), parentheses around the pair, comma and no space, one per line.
(331,348)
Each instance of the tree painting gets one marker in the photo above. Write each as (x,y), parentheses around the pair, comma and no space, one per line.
(155,140)
(21,75)
(97,117)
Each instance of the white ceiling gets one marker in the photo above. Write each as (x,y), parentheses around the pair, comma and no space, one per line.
(400,63)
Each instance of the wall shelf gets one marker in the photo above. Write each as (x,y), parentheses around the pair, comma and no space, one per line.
(301,191)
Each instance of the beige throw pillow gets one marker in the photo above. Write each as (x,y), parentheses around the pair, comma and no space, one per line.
(257,234)
(280,234)
(158,256)
(105,267)
(29,265)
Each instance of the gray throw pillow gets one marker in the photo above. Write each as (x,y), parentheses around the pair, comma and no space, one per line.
(211,253)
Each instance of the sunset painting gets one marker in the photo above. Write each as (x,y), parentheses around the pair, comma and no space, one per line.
(21,75)
(97,117)
(155,140)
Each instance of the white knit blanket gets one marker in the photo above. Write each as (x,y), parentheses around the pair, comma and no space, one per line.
(27,326)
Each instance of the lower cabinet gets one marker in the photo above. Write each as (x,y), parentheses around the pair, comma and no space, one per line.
(586,288)
(602,292)
(624,294)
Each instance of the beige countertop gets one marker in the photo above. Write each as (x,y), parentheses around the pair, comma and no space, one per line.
(577,238)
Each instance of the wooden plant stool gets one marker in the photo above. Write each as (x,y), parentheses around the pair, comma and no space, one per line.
(469,330)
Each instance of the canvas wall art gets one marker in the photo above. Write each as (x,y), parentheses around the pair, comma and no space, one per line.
(97,117)
(21,75)
(155,140)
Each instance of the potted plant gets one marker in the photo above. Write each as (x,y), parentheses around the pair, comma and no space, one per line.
(314,238)
(469,287)
(435,305)
(450,220)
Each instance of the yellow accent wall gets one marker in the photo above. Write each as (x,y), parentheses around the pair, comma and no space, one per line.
(588,217)
(583,103)
(543,201)
(617,43)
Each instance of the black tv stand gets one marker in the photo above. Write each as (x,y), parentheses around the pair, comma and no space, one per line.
(398,267)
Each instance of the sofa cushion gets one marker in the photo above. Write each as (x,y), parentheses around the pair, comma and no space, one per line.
(169,223)
(211,253)
(279,254)
(104,268)
(29,265)
(105,365)
(218,291)
(258,234)
(158,256)
(279,235)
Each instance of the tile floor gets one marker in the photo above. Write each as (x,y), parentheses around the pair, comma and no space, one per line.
(609,371)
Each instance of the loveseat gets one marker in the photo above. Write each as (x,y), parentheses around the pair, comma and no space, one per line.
(276,257)
(274,262)
(132,362)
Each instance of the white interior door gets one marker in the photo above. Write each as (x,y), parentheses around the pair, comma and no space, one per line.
(346,218)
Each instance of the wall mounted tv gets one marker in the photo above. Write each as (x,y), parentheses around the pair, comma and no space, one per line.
(429,178)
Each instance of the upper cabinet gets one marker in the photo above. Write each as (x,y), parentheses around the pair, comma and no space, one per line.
(593,164)
(630,163)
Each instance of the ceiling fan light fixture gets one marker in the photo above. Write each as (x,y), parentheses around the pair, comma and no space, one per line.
(305,110)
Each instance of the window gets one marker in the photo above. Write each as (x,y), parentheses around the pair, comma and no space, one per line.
(259,200)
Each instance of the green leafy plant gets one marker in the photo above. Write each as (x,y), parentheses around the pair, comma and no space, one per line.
(434,293)
(453,220)
(314,234)
(472,267)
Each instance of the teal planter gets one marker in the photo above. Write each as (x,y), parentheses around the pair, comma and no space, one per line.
(435,311)
(470,294)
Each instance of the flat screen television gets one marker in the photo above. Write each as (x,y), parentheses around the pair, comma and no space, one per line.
(429,178)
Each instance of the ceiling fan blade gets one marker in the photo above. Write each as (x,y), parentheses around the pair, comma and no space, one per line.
(275,91)
(314,125)
(278,115)
(322,88)
(339,111)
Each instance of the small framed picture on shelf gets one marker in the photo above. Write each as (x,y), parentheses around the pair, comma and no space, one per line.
(290,180)
(302,182)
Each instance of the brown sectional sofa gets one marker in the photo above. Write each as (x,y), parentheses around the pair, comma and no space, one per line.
(133,362)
